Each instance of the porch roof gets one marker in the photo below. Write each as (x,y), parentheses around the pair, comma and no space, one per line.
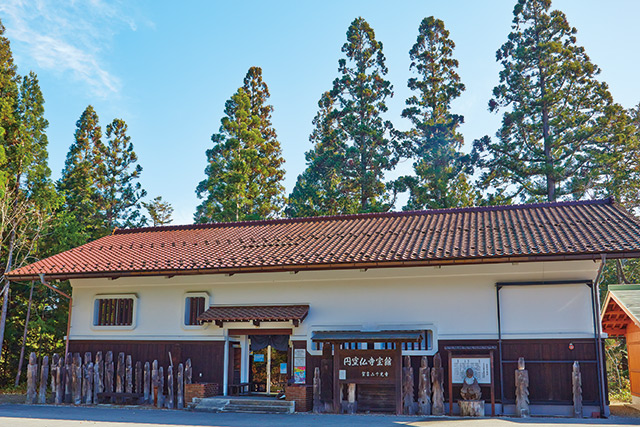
(367,336)
(255,313)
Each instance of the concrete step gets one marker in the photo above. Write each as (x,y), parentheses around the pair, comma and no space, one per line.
(263,409)
(225,404)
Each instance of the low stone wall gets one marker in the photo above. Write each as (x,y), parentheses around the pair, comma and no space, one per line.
(200,390)
(302,395)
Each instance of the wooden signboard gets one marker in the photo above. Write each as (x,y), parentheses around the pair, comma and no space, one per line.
(481,368)
(381,367)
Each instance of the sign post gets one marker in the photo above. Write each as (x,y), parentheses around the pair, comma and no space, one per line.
(482,365)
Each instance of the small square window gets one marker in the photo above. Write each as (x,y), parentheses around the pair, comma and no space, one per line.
(114,311)
(194,307)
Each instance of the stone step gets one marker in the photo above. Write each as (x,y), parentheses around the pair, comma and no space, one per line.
(225,404)
(259,402)
(265,409)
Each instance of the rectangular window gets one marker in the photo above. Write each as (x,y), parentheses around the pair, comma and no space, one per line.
(113,312)
(194,307)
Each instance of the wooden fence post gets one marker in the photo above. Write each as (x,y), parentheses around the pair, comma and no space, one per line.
(68,386)
(32,378)
(44,379)
(54,372)
(170,387)
(188,372)
(147,381)
(138,370)
(76,379)
(129,375)
(89,383)
(180,401)
(424,388)
(160,387)
(86,386)
(98,376)
(318,407)
(60,382)
(120,374)
(108,372)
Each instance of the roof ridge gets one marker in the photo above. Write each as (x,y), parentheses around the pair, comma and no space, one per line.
(209,225)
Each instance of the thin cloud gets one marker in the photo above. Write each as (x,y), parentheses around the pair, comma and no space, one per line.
(68,38)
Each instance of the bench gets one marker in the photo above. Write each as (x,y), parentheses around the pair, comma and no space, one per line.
(120,398)
(236,389)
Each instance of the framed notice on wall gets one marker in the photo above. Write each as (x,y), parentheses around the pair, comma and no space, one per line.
(481,369)
(299,366)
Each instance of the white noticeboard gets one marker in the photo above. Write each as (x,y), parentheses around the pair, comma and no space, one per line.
(299,366)
(481,369)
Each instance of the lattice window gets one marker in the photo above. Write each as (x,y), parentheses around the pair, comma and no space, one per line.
(194,307)
(114,311)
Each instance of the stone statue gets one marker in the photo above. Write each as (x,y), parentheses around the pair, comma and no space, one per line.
(522,390)
(437,386)
(424,388)
(470,387)
(576,380)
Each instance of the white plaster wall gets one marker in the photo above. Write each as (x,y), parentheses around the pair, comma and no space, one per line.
(457,302)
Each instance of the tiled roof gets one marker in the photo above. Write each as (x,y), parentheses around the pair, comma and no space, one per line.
(256,313)
(549,231)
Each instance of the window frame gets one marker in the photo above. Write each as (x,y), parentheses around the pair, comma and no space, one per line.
(134,312)
(195,294)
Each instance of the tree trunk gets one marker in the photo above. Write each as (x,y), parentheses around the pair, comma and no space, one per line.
(5,300)
(24,335)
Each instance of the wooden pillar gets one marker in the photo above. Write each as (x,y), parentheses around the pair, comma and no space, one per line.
(170,387)
(317,386)
(147,382)
(180,387)
(326,377)
(437,386)
(108,372)
(44,379)
(576,382)
(98,379)
(54,372)
(424,388)
(68,386)
(398,369)
(60,382)
(138,387)
(88,397)
(76,379)
(408,406)
(160,387)
(32,378)
(337,398)
(352,404)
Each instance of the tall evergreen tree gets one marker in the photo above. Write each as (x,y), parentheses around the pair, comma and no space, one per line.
(82,178)
(441,169)
(244,174)
(554,109)
(120,189)
(322,188)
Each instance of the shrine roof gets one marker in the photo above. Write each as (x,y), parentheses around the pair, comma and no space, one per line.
(491,234)
(621,307)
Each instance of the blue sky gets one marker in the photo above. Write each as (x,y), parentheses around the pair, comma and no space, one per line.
(167,68)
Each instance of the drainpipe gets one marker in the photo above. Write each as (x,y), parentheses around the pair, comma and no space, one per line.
(225,373)
(598,331)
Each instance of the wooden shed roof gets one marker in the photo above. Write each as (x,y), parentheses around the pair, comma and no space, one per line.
(493,234)
(621,307)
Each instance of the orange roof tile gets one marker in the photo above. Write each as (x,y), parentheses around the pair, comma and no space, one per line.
(549,231)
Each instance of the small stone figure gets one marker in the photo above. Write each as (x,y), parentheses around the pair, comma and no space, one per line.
(424,388)
(470,387)
(437,386)
(408,407)
(522,390)
(576,379)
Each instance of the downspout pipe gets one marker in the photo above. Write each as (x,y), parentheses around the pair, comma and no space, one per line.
(598,337)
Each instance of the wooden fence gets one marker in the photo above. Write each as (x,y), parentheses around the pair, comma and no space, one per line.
(76,381)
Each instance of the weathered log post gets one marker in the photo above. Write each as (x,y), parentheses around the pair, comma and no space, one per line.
(170,387)
(76,379)
(522,390)
(54,372)
(32,378)
(326,376)
(408,407)
(160,387)
(180,387)
(188,372)
(352,404)
(424,388)
(108,372)
(44,380)
(129,375)
(155,382)
(87,384)
(60,382)
(68,385)
(317,386)
(88,398)
(138,377)
(437,386)
(576,381)
(120,374)
(98,376)
(147,381)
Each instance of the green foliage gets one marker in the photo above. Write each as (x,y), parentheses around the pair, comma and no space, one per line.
(442,171)
(159,211)
(555,110)
(617,369)
(244,175)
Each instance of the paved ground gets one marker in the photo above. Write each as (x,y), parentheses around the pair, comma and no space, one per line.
(65,416)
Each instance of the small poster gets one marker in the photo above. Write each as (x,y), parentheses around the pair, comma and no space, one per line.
(258,357)
(283,368)
(342,374)
(299,375)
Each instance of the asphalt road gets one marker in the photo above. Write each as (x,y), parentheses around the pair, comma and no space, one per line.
(66,416)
